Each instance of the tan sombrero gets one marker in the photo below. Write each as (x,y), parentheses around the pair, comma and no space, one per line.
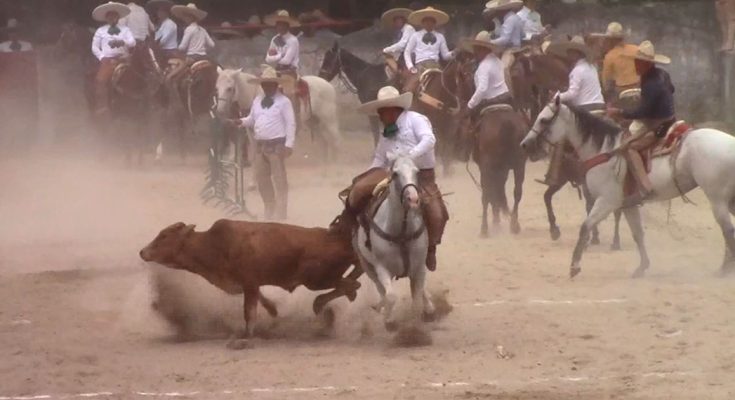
(614,31)
(577,43)
(281,16)
(269,74)
(417,16)
(189,9)
(99,13)
(225,29)
(647,52)
(388,96)
(387,18)
(482,39)
(502,5)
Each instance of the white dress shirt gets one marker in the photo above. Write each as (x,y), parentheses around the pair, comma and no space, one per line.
(426,51)
(24,46)
(138,21)
(286,55)
(274,122)
(511,32)
(414,138)
(101,43)
(489,80)
(396,49)
(167,35)
(531,23)
(584,86)
(196,41)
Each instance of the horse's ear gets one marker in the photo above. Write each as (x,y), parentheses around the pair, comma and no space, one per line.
(220,70)
(392,156)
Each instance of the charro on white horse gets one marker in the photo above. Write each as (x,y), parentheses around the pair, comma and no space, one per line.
(320,115)
(704,158)
(396,242)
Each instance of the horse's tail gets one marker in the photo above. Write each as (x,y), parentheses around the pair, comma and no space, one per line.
(509,143)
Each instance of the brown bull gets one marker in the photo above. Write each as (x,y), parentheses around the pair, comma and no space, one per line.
(240,257)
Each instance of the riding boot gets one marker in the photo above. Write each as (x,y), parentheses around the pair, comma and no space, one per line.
(635,162)
(435,214)
(431,258)
(555,165)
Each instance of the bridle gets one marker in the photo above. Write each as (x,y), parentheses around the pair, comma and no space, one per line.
(341,72)
(542,134)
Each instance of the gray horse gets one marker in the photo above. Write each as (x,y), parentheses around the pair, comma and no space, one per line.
(396,242)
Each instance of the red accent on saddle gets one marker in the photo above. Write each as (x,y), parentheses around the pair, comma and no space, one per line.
(676,135)
(302,89)
(595,161)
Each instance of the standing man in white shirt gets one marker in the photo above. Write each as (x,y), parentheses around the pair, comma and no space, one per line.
(111,44)
(584,92)
(14,44)
(427,46)
(533,29)
(196,41)
(167,34)
(138,21)
(283,52)
(405,132)
(272,119)
(490,86)
(397,19)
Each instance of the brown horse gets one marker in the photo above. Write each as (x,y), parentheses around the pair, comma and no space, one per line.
(133,88)
(535,78)
(436,99)
(495,143)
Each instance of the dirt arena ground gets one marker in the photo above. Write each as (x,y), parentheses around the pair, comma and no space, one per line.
(76,321)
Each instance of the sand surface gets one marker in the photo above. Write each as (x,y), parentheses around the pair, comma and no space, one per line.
(76,321)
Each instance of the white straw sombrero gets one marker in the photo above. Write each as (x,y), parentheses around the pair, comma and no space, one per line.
(647,52)
(577,43)
(281,16)
(269,74)
(502,5)
(417,16)
(388,96)
(614,30)
(387,18)
(189,9)
(482,39)
(99,13)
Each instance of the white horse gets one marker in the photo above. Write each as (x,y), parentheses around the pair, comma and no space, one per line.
(706,159)
(396,242)
(320,115)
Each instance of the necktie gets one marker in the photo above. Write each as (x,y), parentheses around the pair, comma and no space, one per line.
(279,41)
(113,30)
(267,102)
(390,131)
(15,46)
(429,38)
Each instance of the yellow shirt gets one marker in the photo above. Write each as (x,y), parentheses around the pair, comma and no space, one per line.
(618,68)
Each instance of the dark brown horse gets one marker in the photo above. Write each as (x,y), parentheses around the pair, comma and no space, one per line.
(133,89)
(436,99)
(495,143)
(535,78)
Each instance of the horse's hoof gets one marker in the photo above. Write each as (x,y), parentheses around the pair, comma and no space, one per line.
(484,234)
(595,241)
(727,270)
(555,233)
(574,271)
(515,228)
(639,273)
(615,246)
(428,316)
(239,344)
(319,304)
(391,326)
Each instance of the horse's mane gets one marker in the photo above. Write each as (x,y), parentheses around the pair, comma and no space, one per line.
(594,128)
(353,58)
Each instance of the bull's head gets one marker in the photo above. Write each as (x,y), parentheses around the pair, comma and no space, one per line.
(165,248)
